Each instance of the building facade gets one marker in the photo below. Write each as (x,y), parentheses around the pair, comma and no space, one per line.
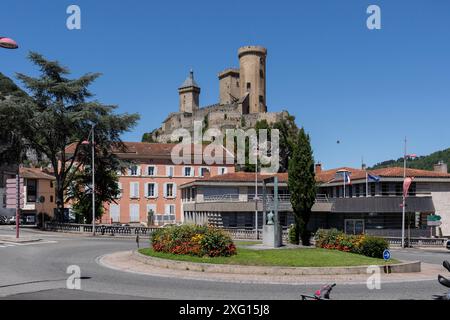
(39,195)
(229,201)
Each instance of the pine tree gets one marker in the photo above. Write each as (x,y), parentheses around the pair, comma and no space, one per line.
(302,185)
(60,112)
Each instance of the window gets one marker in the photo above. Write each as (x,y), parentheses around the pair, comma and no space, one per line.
(372,189)
(222,170)
(384,189)
(134,189)
(51,184)
(51,198)
(188,171)
(261,74)
(151,171)
(114,212)
(249,85)
(170,171)
(261,99)
(134,213)
(170,190)
(133,171)
(152,190)
(119,186)
(170,209)
(31,190)
(203,171)
(399,189)
(357,192)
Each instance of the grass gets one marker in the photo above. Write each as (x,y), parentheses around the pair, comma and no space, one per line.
(311,257)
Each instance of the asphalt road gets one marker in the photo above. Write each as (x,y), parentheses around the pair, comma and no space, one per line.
(38,271)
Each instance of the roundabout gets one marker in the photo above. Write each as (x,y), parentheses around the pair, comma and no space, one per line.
(134,262)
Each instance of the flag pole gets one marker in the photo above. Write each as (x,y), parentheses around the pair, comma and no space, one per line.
(367,184)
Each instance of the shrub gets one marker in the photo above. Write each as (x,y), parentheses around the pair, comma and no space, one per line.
(293,234)
(373,247)
(360,244)
(193,240)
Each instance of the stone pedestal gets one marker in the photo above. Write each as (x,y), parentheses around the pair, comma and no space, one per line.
(272,236)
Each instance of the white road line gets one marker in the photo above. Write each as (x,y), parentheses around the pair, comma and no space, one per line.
(6,244)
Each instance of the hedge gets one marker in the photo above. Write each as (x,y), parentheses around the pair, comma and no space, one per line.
(361,244)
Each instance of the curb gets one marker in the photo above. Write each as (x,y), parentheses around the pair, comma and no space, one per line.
(406,267)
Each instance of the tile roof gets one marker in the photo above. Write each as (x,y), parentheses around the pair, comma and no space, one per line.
(146,150)
(393,172)
(241,177)
(35,173)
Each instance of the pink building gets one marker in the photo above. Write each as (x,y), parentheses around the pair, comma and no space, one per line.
(152,183)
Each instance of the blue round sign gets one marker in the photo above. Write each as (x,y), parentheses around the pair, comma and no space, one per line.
(386,254)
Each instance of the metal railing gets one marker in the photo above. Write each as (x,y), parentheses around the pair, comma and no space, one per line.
(221,198)
(249,234)
(417,242)
(99,229)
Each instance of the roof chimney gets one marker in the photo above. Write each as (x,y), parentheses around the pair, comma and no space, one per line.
(318,168)
(441,166)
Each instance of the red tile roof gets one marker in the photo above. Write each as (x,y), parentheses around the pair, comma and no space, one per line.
(327,175)
(240,177)
(35,173)
(394,172)
(139,150)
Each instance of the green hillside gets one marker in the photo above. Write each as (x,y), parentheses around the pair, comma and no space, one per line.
(422,162)
(9,88)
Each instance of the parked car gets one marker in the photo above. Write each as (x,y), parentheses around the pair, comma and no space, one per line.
(448,244)
(12,220)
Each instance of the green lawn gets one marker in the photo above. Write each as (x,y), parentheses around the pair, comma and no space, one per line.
(314,257)
(239,243)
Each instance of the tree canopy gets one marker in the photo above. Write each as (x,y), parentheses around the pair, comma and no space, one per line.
(60,112)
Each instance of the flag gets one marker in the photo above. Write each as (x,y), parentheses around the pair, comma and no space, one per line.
(347,177)
(406,184)
(374,178)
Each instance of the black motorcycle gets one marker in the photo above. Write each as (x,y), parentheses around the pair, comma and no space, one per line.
(445,282)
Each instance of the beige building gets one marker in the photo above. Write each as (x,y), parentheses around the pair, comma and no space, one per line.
(242,98)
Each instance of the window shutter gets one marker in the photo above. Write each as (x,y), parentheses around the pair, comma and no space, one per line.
(156,190)
(174,190)
(136,188)
(131,189)
(119,185)
(165,190)
(155,170)
(138,171)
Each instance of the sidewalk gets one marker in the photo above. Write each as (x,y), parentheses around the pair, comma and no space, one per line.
(22,239)
(124,261)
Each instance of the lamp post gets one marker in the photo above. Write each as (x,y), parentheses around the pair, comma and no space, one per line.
(8,43)
(92,143)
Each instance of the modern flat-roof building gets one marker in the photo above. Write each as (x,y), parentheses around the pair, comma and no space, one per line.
(228,201)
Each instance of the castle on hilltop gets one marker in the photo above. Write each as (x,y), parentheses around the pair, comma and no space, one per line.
(242,99)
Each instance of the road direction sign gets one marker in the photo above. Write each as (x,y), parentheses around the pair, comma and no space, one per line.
(386,254)
(11,193)
(434,223)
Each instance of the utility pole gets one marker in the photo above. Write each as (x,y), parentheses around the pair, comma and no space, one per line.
(18,193)
(256,193)
(404,198)
(93,181)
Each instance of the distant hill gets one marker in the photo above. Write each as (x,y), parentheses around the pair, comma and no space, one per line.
(8,88)
(422,162)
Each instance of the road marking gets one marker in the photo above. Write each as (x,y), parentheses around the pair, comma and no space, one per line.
(5,244)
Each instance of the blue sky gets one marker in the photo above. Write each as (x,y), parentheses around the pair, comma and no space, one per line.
(367,89)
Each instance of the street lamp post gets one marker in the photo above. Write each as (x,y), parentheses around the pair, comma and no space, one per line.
(92,143)
(93,181)
(8,43)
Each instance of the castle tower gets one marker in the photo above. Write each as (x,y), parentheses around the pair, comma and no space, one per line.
(229,91)
(252,77)
(189,94)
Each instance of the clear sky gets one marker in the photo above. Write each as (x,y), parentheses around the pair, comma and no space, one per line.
(366,88)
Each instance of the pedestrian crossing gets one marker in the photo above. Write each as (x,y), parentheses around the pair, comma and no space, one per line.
(6,244)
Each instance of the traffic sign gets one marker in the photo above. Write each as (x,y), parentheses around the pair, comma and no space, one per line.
(386,254)
(11,193)
(434,223)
